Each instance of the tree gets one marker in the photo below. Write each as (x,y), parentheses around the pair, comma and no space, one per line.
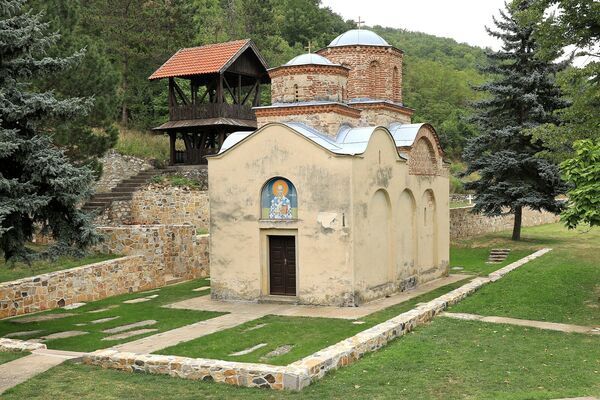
(522,96)
(39,186)
(583,173)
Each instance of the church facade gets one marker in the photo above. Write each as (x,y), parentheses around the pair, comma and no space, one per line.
(337,198)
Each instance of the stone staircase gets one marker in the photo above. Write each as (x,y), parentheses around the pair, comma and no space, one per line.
(123,191)
(498,255)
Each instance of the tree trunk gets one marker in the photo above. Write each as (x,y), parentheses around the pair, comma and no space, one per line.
(516,235)
(124,87)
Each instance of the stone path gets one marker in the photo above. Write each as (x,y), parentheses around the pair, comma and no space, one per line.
(17,371)
(240,313)
(207,304)
(553,326)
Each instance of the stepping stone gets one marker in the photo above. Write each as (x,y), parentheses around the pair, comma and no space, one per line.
(457,268)
(74,306)
(127,327)
(103,309)
(201,289)
(152,296)
(63,335)
(358,322)
(20,334)
(41,318)
(129,334)
(82,324)
(248,350)
(281,350)
(101,320)
(255,327)
(151,291)
(138,300)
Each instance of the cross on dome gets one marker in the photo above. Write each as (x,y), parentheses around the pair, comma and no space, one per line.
(359,22)
(309,47)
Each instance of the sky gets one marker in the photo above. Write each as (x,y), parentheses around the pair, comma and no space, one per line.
(462,20)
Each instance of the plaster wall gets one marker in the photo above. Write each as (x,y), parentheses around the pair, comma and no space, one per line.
(238,252)
(408,252)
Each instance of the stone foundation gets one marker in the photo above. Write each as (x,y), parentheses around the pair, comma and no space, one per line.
(82,284)
(463,223)
(16,346)
(302,373)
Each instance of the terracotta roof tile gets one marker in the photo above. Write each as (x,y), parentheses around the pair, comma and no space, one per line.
(199,60)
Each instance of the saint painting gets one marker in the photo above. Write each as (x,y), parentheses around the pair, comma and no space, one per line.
(279,200)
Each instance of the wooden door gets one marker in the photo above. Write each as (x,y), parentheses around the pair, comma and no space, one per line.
(282,265)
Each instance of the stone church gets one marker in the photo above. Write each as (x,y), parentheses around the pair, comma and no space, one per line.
(337,198)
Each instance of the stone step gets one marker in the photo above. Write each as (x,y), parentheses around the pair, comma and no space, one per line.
(118,189)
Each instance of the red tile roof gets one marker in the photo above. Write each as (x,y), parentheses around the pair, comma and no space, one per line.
(199,60)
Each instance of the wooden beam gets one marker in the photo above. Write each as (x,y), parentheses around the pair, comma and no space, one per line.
(181,94)
(253,89)
(239,91)
(220,89)
(230,90)
(172,139)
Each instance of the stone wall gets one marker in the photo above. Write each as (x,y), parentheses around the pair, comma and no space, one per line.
(308,83)
(176,248)
(463,223)
(300,374)
(82,284)
(117,167)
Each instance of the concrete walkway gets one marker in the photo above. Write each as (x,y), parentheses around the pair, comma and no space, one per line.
(239,313)
(18,371)
(552,326)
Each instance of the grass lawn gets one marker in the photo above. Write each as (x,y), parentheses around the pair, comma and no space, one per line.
(307,335)
(562,286)
(446,359)
(128,313)
(14,271)
(6,357)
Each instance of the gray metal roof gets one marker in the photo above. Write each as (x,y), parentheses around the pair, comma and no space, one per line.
(349,141)
(308,59)
(358,37)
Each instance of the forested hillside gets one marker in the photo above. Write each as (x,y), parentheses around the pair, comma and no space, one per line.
(125,40)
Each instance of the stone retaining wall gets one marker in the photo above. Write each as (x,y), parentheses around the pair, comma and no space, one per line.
(81,284)
(463,223)
(300,374)
(117,167)
(159,205)
(180,252)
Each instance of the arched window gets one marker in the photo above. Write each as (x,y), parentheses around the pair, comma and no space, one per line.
(396,84)
(279,200)
(374,80)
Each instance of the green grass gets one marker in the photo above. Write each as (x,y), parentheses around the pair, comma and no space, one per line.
(307,335)
(128,313)
(472,260)
(562,286)
(7,357)
(143,144)
(176,180)
(18,270)
(447,359)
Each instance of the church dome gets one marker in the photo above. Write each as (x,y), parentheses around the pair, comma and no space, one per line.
(309,59)
(359,37)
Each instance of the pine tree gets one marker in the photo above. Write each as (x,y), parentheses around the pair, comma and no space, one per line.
(522,96)
(39,186)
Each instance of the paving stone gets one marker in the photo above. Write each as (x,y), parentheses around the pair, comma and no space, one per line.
(74,306)
(281,350)
(127,327)
(101,320)
(103,309)
(138,300)
(255,327)
(200,289)
(151,291)
(152,296)
(358,322)
(20,334)
(63,335)
(41,318)
(81,324)
(248,350)
(457,268)
(129,334)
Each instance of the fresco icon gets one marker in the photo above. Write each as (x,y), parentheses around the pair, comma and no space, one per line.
(279,200)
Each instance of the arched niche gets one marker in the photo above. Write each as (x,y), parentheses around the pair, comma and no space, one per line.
(427,226)
(379,242)
(407,228)
(279,200)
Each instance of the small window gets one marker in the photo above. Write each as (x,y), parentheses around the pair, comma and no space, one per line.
(295,93)
(279,200)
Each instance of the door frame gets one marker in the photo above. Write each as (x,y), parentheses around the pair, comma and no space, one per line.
(264,257)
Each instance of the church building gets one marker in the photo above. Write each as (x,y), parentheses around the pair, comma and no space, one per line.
(336,198)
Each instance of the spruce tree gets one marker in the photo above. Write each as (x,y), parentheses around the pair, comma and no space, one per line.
(522,95)
(39,186)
